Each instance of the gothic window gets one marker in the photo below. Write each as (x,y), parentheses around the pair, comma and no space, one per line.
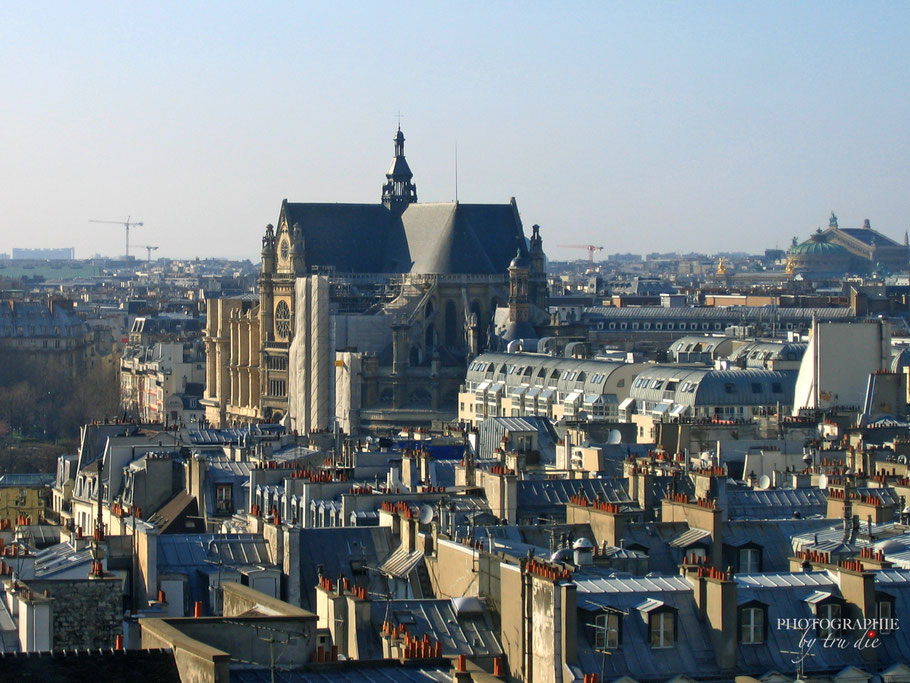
(283,320)
(451,324)
(285,249)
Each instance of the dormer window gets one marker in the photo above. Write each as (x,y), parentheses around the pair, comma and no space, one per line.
(661,619)
(828,609)
(827,613)
(607,631)
(753,623)
(749,558)
(662,628)
(884,611)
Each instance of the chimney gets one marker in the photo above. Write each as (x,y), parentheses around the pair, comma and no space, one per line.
(358,618)
(461,673)
(720,611)
(858,588)
(583,552)
(332,610)
(702,513)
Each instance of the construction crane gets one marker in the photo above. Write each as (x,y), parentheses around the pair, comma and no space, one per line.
(590,249)
(126,224)
(148,250)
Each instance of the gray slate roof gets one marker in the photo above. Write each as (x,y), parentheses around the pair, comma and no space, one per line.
(37,319)
(444,238)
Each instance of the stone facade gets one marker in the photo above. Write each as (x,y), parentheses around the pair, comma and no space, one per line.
(86,613)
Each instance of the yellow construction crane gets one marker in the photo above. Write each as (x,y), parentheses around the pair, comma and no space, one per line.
(148,250)
(590,249)
(126,224)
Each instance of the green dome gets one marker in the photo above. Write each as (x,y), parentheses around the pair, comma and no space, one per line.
(817,246)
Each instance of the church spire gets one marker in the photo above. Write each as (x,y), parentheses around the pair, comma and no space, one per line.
(399,190)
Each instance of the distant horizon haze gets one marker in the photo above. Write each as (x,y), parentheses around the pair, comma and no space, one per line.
(715,127)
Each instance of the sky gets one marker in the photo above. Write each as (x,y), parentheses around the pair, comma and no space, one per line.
(639,127)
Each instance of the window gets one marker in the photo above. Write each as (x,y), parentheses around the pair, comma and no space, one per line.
(729,387)
(606,631)
(826,613)
(661,626)
(884,612)
(620,383)
(224,504)
(282,320)
(752,625)
(776,388)
(749,560)
(756,388)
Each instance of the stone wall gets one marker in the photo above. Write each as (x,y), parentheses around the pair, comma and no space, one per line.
(86,613)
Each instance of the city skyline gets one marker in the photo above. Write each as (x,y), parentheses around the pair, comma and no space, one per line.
(671,128)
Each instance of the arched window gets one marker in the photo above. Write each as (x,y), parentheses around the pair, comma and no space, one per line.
(451,324)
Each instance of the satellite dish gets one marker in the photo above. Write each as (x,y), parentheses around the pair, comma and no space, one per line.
(426,514)
(764,482)
(614,437)
(823,481)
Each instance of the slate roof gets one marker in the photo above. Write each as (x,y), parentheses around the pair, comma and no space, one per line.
(400,563)
(37,319)
(342,551)
(470,634)
(692,652)
(385,671)
(549,496)
(78,666)
(27,480)
(869,236)
(206,550)
(730,314)
(492,429)
(714,387)
(59,558)
(787,595)
(443,238)
(745,503)
(182,503)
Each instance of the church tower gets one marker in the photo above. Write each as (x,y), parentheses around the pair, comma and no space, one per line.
(399,191)
(537,274)
(518,289)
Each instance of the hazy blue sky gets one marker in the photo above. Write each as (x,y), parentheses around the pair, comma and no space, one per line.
(636,126)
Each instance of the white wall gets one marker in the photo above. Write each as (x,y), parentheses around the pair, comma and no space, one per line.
(838,362)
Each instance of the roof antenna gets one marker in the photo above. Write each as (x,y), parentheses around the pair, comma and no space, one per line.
(456,171)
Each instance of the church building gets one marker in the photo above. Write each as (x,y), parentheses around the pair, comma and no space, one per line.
(369,313)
